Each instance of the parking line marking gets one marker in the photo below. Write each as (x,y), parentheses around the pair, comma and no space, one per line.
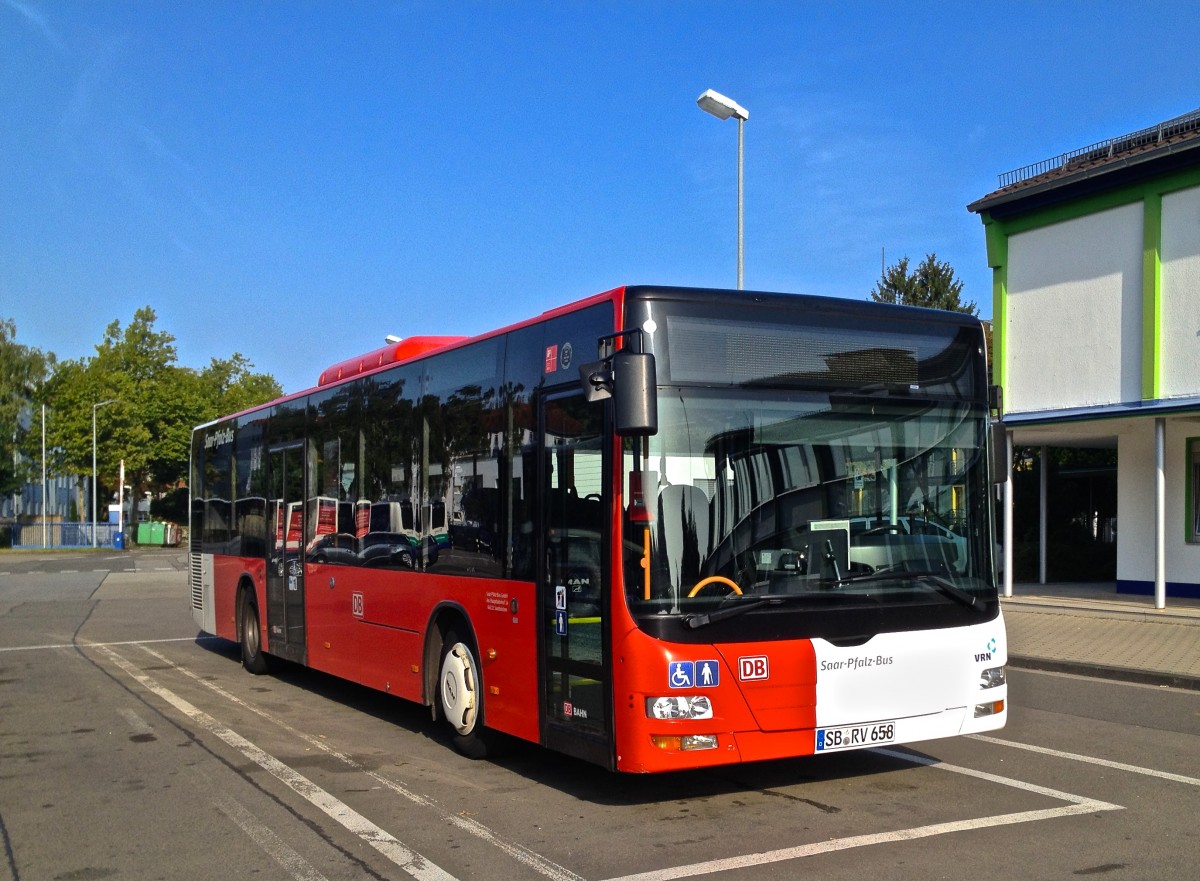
(1091,760)
(529,858)
(274,846)
(136,723)
(387,844)
(1075,806)
(82,642)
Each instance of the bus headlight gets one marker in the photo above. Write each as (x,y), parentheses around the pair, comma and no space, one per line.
(991,677)
(681,707)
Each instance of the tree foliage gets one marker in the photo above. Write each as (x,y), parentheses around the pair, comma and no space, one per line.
(144,405)
(22,372)
(932,285)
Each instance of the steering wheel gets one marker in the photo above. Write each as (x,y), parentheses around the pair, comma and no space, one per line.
(714,579)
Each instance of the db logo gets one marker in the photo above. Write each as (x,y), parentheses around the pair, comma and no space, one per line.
(356,604)
(754,667)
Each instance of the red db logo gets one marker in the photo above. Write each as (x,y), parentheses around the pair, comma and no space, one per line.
(753,668)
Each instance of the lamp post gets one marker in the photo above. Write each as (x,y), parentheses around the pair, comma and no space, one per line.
(94,489)
(723,108)
(45,502)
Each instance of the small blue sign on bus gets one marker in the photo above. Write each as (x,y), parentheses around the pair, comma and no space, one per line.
(681,674)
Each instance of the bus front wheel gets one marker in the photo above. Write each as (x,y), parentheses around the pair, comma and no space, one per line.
(460,696)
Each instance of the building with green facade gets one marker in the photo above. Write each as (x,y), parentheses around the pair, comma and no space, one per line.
(1095,258)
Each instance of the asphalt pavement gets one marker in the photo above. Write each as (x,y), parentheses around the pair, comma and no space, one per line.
(1088,629)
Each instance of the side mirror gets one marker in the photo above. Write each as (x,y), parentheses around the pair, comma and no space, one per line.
(635,394)
(631,380)
(1001,462)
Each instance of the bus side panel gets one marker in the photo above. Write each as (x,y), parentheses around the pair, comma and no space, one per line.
(331,596)
(227,574)
(369,625)
(390,659)
(510,678)
(388,611)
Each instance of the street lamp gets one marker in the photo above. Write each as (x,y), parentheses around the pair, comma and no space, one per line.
(723,108)
(45,502)
(94,489)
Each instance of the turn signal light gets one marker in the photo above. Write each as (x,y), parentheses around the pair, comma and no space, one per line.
(685,742)
(989,709)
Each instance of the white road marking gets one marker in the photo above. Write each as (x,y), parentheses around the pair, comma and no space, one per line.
(1091,760)
(400,854)
(71,645)
(1075,805)
(529,858)
(136,723)
(275,847)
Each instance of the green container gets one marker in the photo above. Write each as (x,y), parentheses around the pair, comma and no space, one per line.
(143,534)
(158,534)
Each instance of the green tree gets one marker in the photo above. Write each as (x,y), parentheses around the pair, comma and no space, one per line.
(155,403)
(22,372)
(233,387)
(933,285)
(69,395)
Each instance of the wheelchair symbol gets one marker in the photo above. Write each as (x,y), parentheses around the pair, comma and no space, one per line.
(682,674)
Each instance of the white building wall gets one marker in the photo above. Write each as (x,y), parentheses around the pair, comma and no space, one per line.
(1180,322)
(1183,557)
(1074,313)
(1135,503)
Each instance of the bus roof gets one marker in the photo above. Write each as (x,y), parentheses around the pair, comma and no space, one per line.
(417,347)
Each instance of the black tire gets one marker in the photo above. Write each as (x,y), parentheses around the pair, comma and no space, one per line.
(254,659)
(460,696)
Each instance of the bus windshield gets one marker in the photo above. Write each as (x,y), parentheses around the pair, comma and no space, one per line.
(771,501)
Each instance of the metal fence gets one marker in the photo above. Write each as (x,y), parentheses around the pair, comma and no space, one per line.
(1189,122)
(63,535)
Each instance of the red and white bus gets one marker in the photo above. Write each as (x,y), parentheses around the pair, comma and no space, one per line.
(660,528)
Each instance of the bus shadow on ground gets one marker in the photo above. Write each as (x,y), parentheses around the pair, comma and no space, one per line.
(576,777)
(593,784)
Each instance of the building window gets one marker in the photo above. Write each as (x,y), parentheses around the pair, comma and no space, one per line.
(1193,489)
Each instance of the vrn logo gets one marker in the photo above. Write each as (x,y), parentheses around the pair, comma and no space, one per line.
(987,655)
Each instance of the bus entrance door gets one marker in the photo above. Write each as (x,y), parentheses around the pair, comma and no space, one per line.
(285,552)
(574,584)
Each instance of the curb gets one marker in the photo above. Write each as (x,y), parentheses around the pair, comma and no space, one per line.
(1099,671)
(1093,609)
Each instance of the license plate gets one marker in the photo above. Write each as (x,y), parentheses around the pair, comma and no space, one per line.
(855,736)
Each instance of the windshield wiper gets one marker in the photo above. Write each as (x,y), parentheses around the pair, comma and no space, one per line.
(732,611)
(935,580)
(741,607)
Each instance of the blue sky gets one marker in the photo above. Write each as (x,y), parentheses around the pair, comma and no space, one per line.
(294,180)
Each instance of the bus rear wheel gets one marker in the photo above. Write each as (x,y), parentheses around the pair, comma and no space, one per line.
(460,696)
(254,659)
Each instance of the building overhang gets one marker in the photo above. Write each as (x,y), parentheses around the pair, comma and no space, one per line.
(1153,152)
(1094,426)
(1064,186)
